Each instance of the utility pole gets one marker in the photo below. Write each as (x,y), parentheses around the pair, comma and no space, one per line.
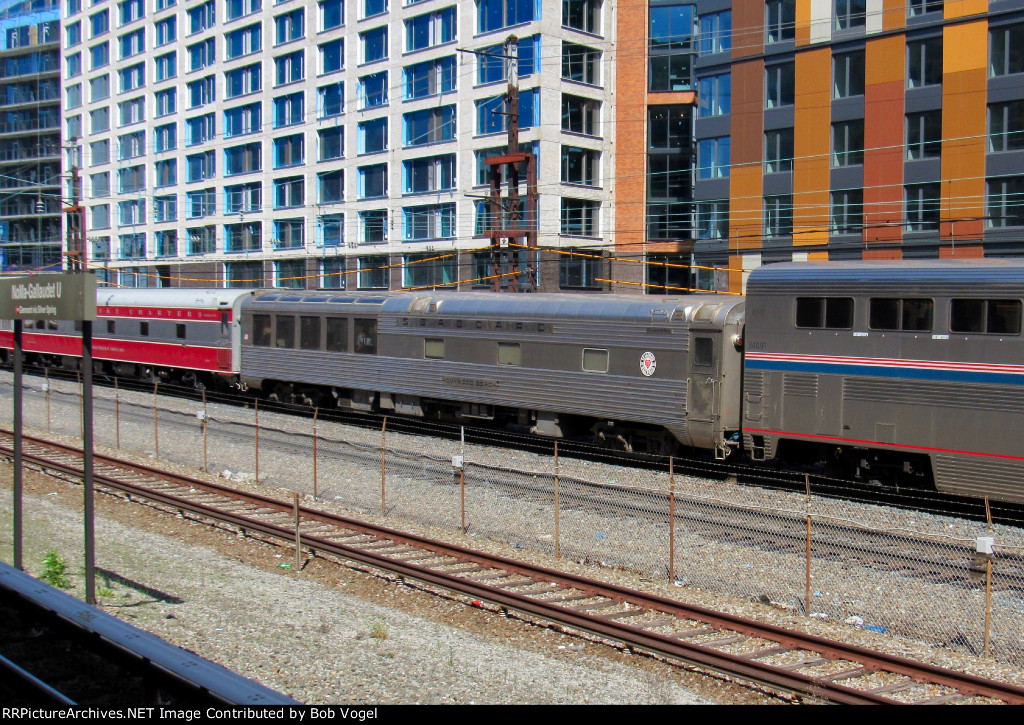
(509,221)
(75,214)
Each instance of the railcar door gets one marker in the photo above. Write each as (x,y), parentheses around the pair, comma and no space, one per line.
(702,387)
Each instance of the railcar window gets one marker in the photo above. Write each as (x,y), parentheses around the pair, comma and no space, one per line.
(179,331)
(78,326)
(111,327)
(144,329)
(894,313)
(810,311)
(509,353)
(366,336)
(995,317)
(261,330)
(433,348)
(337,334)
(703,352)
(595,361)
(51,324)
(834,313)
(284,336)
(309,333)
(917,315)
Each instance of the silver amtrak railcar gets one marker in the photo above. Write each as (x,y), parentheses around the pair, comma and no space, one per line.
(909,371)
(639,373)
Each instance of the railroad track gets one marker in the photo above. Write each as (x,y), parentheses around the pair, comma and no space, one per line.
(771,656)
(917,558)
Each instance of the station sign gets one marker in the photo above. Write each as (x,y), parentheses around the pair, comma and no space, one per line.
(59,296)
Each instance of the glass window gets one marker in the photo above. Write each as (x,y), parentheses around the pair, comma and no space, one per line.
(289,68)
(1005,126)
(1006,50)
(337,327)
(779,20)
(431,125)
(594,360)
(924,62)
(714,95)
(289,151)
(778,150)
(426,31)
(331,143)
(921,207)
(716,32)
(373,90)
(374,225)
(779,85)
(373,181)
(330,100)
(850,14)
(365,334)
(1005,202)
(580,217)
(375,44)
(430,78)
(848,74)
(582,15)
(713,157)
(991,316)
(332,56)
(332,14)
(847,211)
(778,215)
(288,110)
(924,135)
(581,64)
(497,14)
(848,143)
(373,135)
(290,26)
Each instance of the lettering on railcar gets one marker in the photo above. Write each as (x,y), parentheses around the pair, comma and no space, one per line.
(659,331)
(488,325)
(470,382)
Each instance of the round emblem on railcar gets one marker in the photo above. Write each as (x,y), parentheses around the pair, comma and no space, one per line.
(647,364)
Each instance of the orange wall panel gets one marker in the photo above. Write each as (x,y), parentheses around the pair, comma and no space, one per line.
(631,125)
(962,8)
(891,253)
(746,131)
(747,28)
(962,251)
(894,14)
(964,87)
(883,139)
(811,147)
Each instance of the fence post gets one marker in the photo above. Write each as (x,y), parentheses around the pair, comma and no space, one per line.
(383,474)
(462,475)
(558,539)
(47,400)
(256,410)
(671,520)
(206,416)
(298,536)
(117,414)
(807,555)
(156,422)
(316,496)
(988,585)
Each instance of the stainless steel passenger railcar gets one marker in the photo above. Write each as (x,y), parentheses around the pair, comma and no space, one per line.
(637,372)
(893,370)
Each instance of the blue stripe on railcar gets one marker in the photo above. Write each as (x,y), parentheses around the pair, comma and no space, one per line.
(876,371)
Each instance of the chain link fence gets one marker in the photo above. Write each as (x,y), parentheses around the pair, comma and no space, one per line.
(913,575)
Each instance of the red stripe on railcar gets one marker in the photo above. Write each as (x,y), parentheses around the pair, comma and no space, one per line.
(189,314)
(160,354)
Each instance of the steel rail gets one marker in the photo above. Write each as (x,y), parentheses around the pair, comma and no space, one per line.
(738,665)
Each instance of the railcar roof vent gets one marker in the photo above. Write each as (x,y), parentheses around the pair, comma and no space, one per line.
(705,313)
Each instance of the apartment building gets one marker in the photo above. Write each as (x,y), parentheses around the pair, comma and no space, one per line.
(30,135)
(849,129)
(325,143)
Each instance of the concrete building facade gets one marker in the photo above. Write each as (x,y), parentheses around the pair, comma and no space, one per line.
(30,135)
